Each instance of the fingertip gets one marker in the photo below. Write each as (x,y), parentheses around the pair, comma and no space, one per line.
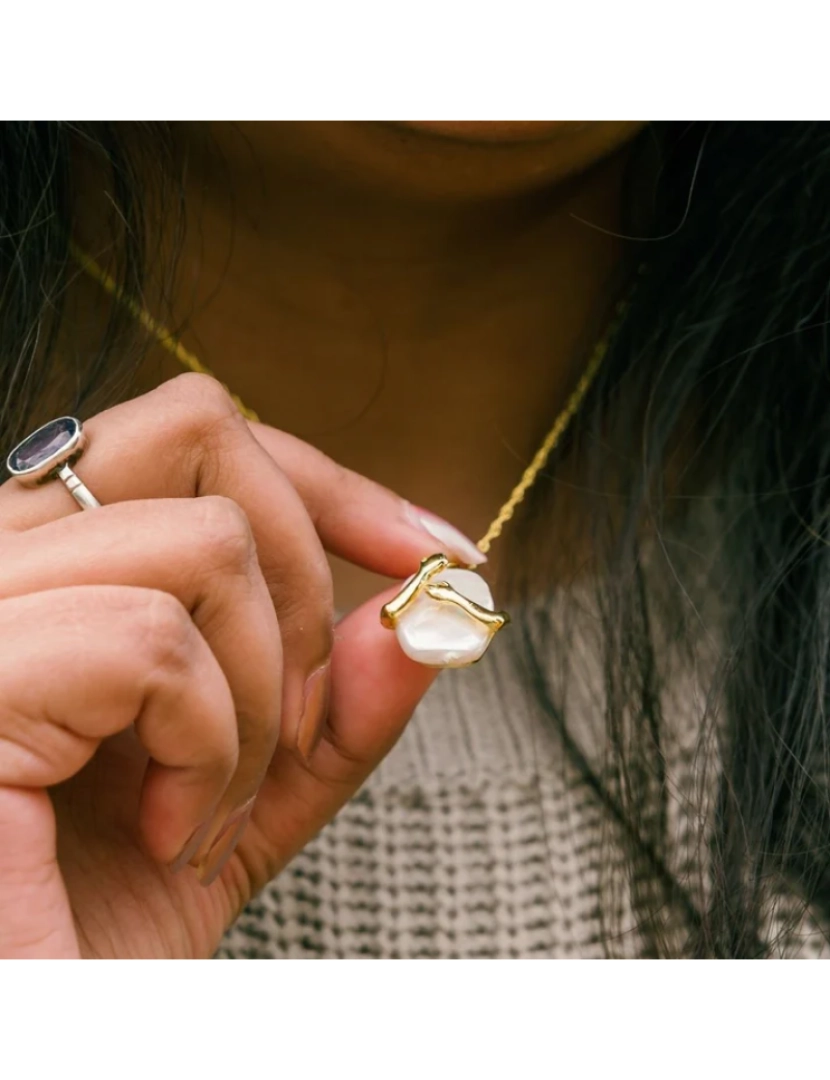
(175,812)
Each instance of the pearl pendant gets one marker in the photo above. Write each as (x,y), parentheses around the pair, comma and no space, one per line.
(443,616)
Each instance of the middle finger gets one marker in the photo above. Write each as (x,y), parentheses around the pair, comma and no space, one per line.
(187,439)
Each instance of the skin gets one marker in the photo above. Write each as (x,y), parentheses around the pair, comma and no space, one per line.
(199,720)
(175,640)
(377,275)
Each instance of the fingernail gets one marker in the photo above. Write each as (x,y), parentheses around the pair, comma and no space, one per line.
(214,862)
(455,542)
(315,711)
(191,847)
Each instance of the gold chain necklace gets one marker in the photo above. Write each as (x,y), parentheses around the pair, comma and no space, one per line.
(443,616)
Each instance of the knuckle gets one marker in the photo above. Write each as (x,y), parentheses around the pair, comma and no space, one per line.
(342,480)
(205,425)
(349,488)
(166,634)
(223,533)
(305,588)
(200,392)
(202,402)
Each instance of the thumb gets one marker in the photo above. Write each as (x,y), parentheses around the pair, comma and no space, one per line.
(375,686)
(374,691)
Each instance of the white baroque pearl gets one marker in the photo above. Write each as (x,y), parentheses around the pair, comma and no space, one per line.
(439,634)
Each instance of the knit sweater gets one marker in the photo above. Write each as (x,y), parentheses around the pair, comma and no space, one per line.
(479,837)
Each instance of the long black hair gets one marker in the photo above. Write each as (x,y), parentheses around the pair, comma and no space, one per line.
(716,392)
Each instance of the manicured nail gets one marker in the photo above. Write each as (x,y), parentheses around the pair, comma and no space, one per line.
(191,847)
(214,862)
(455,543)
(315,711)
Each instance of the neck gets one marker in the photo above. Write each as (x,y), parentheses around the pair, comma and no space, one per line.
(422,342)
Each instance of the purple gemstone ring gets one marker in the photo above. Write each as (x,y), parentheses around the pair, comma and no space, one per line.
(47,454)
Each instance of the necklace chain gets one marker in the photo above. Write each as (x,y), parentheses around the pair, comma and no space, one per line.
(189,360)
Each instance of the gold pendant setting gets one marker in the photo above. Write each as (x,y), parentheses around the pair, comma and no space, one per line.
(443,616)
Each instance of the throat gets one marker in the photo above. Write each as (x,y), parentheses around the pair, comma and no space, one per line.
(426,348)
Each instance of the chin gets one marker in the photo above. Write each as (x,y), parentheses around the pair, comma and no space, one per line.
(496,131)
(467,160)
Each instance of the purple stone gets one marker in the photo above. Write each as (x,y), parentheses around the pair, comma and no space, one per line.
(43,445)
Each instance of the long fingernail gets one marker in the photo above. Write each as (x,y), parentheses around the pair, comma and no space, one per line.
(315,711)
(214,862)
(455,542)
(191,847)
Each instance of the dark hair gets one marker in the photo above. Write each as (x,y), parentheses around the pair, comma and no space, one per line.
(715,394)
(45,173)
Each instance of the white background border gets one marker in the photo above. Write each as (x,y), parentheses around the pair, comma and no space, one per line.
(420,59)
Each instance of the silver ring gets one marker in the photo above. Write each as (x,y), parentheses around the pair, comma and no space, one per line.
(48,453)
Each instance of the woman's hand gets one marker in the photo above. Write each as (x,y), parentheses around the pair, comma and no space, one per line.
(170,673)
